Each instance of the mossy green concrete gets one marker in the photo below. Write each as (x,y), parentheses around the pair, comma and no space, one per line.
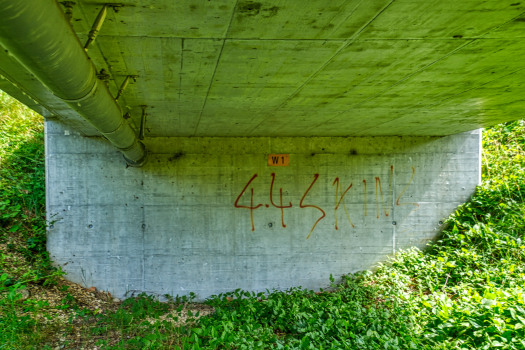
(302,68)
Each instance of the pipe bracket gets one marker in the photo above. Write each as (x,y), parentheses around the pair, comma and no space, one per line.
(104,76)
(69,10)
(99,21)
(116,6)
(125,84)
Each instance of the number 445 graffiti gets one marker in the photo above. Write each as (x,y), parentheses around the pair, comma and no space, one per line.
(339,199)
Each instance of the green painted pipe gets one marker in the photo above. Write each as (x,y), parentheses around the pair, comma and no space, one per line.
(38,35)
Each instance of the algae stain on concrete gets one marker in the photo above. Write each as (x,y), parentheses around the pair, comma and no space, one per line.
(251,8)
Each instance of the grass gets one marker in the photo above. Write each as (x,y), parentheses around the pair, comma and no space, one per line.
(23,258)
(464,292)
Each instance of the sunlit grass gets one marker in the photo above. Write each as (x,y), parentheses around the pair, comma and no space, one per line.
(18,124)
(22,221)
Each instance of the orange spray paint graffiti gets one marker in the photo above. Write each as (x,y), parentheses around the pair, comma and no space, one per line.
(281,197)
(251,207)
(339,200)
(378,185)
(408,184)
(301,205)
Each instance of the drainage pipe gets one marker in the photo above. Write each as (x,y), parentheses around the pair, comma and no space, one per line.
(38,35)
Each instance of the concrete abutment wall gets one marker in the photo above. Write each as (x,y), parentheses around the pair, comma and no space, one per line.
(206,215)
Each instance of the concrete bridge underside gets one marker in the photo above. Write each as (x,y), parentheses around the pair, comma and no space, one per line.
(373,103)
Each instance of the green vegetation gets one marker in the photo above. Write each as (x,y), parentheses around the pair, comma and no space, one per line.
(464,292)
(21,176)
(22,221)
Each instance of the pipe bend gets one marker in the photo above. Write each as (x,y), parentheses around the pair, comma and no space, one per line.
(137,148)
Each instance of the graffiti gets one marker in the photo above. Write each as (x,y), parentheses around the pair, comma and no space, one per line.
(378,185)
(251,207)
(408,184)
(301,205)
(339,199)
(281,198)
